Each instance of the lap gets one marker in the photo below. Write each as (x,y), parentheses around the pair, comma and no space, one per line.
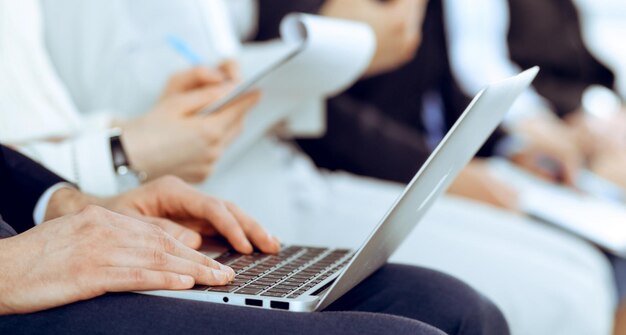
(373,307)
(428,296)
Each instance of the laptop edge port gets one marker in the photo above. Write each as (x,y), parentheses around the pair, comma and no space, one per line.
(254,302)
(279,305)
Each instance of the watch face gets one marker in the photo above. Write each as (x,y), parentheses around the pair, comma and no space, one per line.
(122,170)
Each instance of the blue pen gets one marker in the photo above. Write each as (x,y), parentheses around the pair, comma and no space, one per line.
(184,50)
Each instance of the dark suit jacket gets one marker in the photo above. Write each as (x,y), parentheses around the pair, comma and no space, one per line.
(376,127)
(22,182)
(547,33)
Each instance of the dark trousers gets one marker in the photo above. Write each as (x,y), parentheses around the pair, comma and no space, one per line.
(395,300)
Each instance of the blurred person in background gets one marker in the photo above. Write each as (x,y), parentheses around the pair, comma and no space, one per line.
(602,23)
(506,30)
(491,38)
(277,184)
(415,101)
(574,82)
(580,89)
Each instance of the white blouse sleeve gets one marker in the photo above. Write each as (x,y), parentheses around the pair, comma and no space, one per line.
(84,160)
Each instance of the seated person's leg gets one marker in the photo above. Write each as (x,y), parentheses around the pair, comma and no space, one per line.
(425,295)
(384,303)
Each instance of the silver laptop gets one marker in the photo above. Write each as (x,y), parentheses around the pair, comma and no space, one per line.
(305,279)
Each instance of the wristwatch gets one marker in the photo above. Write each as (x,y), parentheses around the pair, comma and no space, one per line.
(127,177)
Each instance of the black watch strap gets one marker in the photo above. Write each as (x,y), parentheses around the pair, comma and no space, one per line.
(121,164)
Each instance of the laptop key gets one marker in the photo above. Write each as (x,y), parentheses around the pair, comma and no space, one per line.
(253,286)
(291,281)
(227,288)
(264,282)
(277,289)
(273,278)
(200,288)
(244,276)
(297,294)
(287,286)
(300,278)
(253,272)
(274,294)
(239,282)
(249,291)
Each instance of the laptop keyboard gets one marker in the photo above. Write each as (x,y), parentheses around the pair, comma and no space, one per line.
(291,273)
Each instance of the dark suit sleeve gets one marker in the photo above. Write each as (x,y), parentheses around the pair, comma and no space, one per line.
(362,139)
(22,182)
(6,230)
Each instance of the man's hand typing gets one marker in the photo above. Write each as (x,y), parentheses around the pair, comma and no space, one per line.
(84,255)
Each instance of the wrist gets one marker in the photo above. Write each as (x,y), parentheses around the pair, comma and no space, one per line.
(128,177)
(134,148)
(67,201)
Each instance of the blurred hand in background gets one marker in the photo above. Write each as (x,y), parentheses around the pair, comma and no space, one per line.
(549,150)
(603,141)
(477,182)
(174,139)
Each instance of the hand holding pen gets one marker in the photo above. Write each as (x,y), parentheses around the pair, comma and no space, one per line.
(173,138)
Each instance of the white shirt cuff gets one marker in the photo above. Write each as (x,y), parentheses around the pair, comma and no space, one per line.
(42,204)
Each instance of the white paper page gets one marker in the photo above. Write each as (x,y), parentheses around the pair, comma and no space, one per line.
(601,222)
(600,187)
(335,55)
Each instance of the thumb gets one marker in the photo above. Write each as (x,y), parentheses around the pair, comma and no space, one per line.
(189,103)
(193,78)
(231,70)
(236,110)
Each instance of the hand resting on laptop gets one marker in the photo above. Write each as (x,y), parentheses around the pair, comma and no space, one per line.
(86,250)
